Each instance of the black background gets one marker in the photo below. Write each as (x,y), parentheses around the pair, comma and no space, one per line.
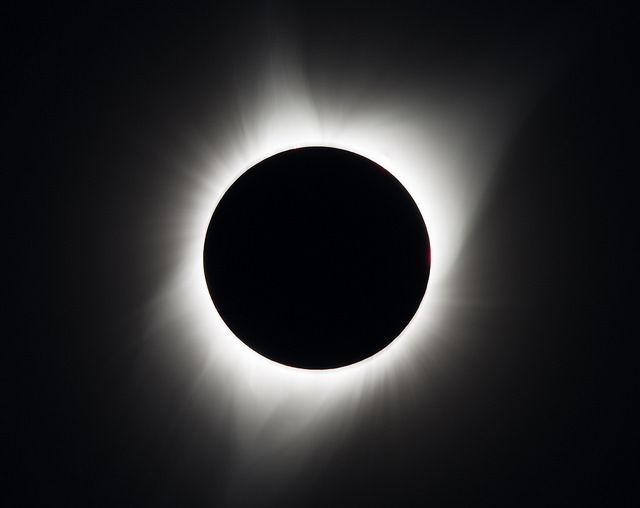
(534,398)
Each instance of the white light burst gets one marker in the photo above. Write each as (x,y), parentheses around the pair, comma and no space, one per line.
(443,152)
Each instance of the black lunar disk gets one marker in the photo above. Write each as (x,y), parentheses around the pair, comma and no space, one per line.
(317,258)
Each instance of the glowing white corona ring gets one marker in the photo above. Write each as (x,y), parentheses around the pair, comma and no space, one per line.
(428,152)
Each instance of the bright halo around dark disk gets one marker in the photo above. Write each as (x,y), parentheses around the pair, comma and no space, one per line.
(317,258)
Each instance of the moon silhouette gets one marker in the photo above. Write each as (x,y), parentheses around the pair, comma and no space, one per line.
(317,258)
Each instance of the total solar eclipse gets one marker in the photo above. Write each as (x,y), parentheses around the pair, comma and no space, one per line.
(317,258)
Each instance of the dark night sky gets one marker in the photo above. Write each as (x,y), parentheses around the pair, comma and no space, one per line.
(528,405)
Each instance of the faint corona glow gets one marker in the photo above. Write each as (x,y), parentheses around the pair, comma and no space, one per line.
(427,151)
